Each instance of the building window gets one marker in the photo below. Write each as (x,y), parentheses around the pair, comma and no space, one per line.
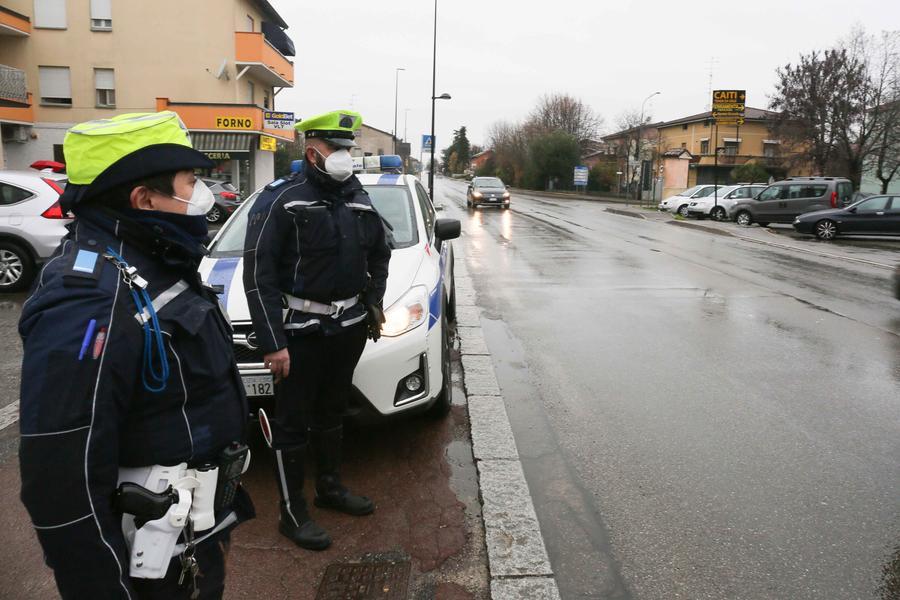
(251,92)
(105,82)
(770,149)
(101,15)
(250,23)
(56,86)
(50,14)
(684,127)
(266,100)
(731,148)
(683,145)
(704,147)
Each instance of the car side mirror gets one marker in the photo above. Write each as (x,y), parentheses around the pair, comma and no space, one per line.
(853,210)
(446,229)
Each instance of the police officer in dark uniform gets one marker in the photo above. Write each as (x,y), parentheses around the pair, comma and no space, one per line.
(132,408)
(315,270)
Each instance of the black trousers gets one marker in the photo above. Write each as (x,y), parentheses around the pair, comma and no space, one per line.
(210,555)
(315,394)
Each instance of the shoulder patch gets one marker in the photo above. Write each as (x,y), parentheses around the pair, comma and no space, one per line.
(85,268)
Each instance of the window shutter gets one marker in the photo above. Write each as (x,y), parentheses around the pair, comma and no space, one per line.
(101,9)
(104,79)
(55,82)
(50,13)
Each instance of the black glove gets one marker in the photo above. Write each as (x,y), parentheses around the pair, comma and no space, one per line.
(374,320)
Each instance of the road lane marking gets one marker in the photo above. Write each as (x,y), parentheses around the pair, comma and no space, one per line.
(9,414)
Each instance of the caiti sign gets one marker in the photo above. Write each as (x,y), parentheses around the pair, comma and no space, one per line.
(234,123)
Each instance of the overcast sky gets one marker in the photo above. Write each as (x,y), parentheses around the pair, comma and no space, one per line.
(497,58)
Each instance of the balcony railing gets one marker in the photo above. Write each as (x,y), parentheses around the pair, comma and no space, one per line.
(12,85)
(253,51)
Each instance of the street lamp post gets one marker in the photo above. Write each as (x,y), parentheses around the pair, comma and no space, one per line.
(433,145)
(433,98)
(396,90)
(637,148)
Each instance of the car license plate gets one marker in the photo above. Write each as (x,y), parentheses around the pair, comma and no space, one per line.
(259,385)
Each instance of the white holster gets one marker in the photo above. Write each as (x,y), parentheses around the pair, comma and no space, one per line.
(153,545)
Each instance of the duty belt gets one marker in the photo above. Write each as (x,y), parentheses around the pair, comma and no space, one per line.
(335,309)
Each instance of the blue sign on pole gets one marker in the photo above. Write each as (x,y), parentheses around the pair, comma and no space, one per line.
(581,176)
(427,143)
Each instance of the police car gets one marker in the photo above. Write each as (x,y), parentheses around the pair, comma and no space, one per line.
(408,369)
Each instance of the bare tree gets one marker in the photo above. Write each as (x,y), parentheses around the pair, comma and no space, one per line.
(561,112)
(832,104)
(884,160)
(631,150)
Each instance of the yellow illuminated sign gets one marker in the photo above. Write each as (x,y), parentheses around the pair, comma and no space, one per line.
(268,143)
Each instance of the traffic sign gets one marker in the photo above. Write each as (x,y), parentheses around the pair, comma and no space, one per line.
(581,175)
(729,102)
(730,120)
(427,143)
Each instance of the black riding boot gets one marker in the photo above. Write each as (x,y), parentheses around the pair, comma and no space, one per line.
(295,523)
(329,491)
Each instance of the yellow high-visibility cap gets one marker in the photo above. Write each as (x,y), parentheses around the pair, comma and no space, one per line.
(92,147)
(337,127)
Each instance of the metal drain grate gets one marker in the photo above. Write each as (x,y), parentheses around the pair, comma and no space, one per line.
(387,580)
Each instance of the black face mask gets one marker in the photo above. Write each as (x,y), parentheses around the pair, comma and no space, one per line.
(182,228)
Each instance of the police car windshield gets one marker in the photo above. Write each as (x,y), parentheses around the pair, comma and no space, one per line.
(394,204)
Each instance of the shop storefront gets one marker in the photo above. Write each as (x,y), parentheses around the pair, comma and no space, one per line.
(241,139)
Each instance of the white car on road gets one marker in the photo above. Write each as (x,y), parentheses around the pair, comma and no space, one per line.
(679,203)
(31,224)
(408,369)
(719,206)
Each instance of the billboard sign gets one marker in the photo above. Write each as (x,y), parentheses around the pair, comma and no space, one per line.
(282,121)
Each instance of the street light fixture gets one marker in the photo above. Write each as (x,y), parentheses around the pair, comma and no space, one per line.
(396,90)
(637,147)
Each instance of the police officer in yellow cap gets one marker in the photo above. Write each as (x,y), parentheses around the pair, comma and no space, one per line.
(316,247)
(132,409)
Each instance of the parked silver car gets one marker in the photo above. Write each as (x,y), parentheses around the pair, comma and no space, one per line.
(31,224)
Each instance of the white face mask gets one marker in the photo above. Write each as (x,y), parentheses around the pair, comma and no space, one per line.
(202,199)
(338,164)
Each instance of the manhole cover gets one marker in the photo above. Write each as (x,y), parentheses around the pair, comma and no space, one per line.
(365,581)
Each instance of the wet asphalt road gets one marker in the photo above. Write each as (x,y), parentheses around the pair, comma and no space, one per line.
(698,416)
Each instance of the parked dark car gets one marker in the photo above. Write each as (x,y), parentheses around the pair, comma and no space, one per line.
(227,200)
(487,191)
(784,200)
(876,215)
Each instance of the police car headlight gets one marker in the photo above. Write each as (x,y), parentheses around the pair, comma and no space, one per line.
(407,313)
(477,194)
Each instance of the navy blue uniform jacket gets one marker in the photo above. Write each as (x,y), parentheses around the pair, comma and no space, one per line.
(315,239)
(83,419)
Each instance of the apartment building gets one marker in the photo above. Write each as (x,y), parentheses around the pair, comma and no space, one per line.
(218,63)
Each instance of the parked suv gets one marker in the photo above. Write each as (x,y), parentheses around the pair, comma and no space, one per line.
(785,200)
(31,224)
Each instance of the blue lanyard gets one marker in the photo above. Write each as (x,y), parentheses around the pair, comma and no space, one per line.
(153,376)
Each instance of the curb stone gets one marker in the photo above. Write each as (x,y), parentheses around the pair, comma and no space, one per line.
(517,557)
